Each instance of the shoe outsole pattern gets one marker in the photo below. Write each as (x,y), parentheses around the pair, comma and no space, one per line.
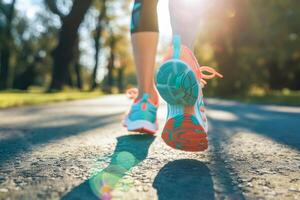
(183,132)
(177,83)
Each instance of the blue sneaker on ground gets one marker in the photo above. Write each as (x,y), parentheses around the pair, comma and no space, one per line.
(142,115)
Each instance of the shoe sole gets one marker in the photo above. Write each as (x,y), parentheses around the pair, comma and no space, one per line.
(140,126)
(177,83)
(183,132)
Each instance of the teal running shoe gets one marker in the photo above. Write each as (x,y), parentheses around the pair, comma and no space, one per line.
(180,81)
(142,115)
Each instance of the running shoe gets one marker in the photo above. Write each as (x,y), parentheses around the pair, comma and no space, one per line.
(179,81)
(142,115)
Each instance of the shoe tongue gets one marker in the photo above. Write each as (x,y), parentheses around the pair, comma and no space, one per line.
(145,98)
(176,47)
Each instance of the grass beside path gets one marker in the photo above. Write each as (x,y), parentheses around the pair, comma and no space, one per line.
(34,97)
(291,98)
(37,96)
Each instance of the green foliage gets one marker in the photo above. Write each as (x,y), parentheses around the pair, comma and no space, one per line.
(284,97)
(32,52)
(37,96)
(120,67)
(254,43)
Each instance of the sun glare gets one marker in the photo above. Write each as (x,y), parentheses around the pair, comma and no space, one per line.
(186,5)
(164,18)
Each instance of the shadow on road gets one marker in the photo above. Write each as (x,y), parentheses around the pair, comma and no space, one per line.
(10,148)
(281,126)
(184,179)
(130,151)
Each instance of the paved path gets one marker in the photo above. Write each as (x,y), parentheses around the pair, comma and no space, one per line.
(62,150)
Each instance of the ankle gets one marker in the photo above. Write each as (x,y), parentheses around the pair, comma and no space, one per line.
(154,97)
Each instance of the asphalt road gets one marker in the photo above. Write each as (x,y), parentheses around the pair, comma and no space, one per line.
(62,150)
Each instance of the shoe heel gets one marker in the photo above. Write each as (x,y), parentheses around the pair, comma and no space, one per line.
(183,132)
(177,83)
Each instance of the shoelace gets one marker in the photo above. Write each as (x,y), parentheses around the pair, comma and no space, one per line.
(213,74)
(207,69)
(132,93)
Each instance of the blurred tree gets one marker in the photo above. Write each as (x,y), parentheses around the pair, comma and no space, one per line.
(26,55)
(101,23)
(279,26)
(7,11)
(120,59)
(63,54)
(111,62)
(120,79)
(33,38)
(254,43)
(110,36)
(77,65)
(229,45)
(125,67)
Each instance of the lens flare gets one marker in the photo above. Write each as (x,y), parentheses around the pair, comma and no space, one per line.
(103,183)
(125,160)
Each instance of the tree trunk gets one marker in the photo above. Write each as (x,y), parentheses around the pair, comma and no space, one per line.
(5,49)
(63,53)
(111,63)
(78,75)
(77,65)
(24,80)
(4,66)
(121,79)
(110,78)
(97,38)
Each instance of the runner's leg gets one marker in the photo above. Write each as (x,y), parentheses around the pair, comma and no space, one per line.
(185,17)
(144,30)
